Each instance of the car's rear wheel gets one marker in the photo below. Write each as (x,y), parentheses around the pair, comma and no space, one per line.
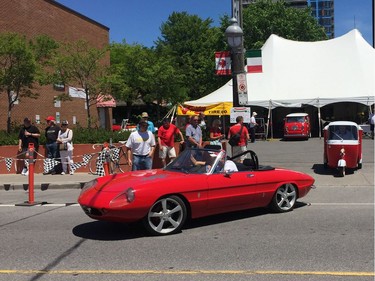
(166,216)
(284,198)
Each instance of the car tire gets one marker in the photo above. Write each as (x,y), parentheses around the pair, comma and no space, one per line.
(284,199)
(166,216)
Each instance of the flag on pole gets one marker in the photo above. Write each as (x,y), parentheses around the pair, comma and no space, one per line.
(223,63)
(254,61)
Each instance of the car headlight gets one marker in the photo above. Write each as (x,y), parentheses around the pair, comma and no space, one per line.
(89,185)
(123,198)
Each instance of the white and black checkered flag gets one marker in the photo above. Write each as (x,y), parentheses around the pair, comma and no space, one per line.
(99,164)
(86,158)
(26,163)
(115,154)
(8,163)
(75,166)
(49,164)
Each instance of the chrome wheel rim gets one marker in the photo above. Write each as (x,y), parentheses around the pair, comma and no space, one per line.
(165,216)
(286,197)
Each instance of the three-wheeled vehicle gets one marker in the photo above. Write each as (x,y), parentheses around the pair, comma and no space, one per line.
(297,125)
(342,146)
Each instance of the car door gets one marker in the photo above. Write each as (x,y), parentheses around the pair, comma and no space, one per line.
(231,192)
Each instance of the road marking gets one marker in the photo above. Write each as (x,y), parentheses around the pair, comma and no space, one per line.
(342,204)
(191,272)
(45,205)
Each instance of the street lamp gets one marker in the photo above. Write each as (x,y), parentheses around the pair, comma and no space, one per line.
(234,36)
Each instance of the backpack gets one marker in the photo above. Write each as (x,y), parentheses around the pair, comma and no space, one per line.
(235,139)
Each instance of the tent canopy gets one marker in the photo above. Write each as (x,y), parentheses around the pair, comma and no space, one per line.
(314,73)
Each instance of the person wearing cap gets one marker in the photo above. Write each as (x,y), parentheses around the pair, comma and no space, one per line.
(253,123)
(150,127)
(52,133)
(28,134)
(166,135)
(65,137)
(141,147)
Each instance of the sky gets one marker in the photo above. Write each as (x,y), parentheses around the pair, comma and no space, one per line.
(139,21)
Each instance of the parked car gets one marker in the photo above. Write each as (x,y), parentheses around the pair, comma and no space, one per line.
(194,185)
(343,146)
(297,125)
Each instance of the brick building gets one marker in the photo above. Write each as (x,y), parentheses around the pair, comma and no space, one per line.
(36,17)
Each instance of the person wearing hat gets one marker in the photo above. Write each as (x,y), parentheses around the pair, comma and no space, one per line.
(64,140)
(253,123)
(28,134)
(151,126)
(52,133)
(140,148)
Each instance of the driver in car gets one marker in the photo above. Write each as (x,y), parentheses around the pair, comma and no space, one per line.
(343,133)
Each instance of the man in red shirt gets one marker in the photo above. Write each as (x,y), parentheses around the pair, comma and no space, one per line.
(242,145)
(166,135)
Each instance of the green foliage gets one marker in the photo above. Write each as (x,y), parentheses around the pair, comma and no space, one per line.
(265,17)
(81,135)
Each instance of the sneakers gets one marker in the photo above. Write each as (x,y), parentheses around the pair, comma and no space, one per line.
(63,173)
(71,173)
(24,171)
(26,174)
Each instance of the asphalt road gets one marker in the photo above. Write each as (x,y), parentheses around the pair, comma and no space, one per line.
(329,236)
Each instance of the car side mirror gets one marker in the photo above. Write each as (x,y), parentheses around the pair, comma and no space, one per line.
(228,173)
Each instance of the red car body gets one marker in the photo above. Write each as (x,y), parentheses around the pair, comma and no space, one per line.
(202,194)
(297,125)
(343,151)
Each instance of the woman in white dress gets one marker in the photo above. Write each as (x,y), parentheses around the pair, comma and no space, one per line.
(66,147)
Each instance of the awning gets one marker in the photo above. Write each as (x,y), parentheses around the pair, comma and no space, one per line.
(105,101)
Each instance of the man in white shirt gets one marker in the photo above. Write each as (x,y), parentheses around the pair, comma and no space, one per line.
(140,147)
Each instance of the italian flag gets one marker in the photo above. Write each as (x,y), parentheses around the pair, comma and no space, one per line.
(254,61)
(223,63)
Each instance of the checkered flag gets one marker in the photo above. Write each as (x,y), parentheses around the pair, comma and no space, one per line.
(75,166)
(8,163)
(49,164)
(86,158)
(99,164)
(115,154)
(26,163)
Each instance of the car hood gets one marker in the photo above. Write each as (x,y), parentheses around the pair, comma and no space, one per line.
(119,182)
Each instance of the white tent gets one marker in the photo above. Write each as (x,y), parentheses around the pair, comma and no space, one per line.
(315,73)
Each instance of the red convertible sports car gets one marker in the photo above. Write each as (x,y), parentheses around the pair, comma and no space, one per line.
(196,184)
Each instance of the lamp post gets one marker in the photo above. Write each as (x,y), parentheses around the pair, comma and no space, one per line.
(234,36)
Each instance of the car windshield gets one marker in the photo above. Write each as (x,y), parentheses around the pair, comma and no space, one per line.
(343,132)
(197,161)
(295,119)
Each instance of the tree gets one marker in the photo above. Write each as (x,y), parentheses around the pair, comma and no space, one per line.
(191,42)
(265,17)
(81,65)
(22,64)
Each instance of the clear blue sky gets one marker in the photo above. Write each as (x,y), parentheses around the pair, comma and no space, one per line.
(139,21)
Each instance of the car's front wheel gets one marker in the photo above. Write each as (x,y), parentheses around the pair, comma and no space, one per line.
(284,198)
(166,216)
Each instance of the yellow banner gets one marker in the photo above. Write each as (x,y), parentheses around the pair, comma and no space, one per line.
(210,110)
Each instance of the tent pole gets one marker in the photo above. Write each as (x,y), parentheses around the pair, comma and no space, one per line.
(268,119)
(320,122)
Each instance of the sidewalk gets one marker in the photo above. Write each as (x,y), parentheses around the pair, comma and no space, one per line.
(45,182)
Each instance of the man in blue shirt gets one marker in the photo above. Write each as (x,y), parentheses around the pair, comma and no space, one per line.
(151,126)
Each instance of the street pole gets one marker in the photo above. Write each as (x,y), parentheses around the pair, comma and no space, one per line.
(234,36)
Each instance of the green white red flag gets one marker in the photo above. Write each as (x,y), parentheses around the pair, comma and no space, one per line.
(223,63)
(254,61)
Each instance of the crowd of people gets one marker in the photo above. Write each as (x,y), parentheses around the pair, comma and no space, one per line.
(141,144)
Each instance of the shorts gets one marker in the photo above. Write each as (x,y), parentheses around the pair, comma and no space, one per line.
(238,150)
(167,150)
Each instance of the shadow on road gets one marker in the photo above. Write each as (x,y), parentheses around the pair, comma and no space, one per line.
(111,231)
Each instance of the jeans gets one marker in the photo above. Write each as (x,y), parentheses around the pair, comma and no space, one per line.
(141,162)
(52,150)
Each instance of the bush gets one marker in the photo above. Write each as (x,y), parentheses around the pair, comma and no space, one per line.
(81,135)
